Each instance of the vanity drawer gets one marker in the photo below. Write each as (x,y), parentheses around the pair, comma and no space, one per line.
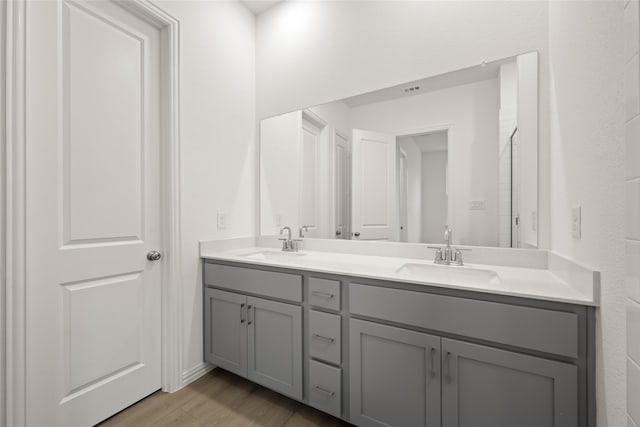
(325,336)
(271,284)
(544,330)
(324,293)
(325,385)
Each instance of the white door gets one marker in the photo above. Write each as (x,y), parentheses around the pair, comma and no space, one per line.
(343,185)
(93,213)
(309,191)
(374,186)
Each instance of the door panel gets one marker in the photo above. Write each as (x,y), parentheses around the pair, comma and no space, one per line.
(394,376)
(275,346)
(343,184)
(225,330)
(310,144)
(102,146)
(374,186)
(93,211)
(487,387)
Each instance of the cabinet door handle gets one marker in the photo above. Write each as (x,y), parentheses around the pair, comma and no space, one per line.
(448,367)
(322,294)
(249,319)
(323,338)
(324,391)
(242,319)
(433,362)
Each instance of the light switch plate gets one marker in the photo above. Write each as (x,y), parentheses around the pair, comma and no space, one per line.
(576,222)
(222,220)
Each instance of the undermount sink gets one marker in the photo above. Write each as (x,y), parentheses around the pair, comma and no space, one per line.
(274,255)
(449,274)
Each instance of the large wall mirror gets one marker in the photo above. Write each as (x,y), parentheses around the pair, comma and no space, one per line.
(399,164)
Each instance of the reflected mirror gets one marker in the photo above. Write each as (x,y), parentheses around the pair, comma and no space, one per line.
(399,164)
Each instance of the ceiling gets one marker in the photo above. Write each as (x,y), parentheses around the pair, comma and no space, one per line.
(259,6)
(429,142)
(443,81)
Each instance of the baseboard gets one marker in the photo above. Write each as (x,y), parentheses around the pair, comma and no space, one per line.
(196,372)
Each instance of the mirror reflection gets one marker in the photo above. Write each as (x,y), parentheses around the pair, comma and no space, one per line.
(402,163)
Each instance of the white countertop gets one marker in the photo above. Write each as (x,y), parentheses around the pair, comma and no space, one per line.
(536,283)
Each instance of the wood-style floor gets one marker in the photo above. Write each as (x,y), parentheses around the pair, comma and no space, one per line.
(220,399)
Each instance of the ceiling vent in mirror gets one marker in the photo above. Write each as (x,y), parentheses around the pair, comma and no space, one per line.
(411,89)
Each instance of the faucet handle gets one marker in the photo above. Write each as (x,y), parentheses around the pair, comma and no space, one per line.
(439,255)
(457,255)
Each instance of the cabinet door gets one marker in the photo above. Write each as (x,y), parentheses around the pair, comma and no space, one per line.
(394,376)
(275,346)
(225,331)
(487,387)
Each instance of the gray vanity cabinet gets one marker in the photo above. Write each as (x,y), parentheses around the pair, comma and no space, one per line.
(225,332)
(378,353)
(488,387)
(395,376)
(275,345)
(256,338)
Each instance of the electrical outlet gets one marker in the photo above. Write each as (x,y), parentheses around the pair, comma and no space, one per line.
(576,222)
(476,205)
(222,220)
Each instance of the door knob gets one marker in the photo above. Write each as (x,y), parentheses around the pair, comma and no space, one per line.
(357,234)
(338,233)
(154,255)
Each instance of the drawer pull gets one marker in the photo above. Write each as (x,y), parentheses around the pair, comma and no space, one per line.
(242,319)
(433,362)
(249,319)
(324,391)
(448,366)
(322,294)
(323,338)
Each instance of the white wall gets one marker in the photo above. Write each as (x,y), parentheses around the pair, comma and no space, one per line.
(472,110)
(279,173)
(632,127)
(337,114)
(434,196)
(310,53)
(587,169)
(217,82)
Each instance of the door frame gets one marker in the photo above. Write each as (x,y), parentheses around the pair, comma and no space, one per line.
(450,129)
(13,228)
(332,190)
(402,189)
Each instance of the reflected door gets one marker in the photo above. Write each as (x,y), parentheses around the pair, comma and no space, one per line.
(343,185)
(403,188)
(309,190)
(93,167)
(374,186)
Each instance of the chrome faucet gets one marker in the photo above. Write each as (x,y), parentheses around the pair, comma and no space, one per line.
(302,230)
(288,244)
(448,255)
